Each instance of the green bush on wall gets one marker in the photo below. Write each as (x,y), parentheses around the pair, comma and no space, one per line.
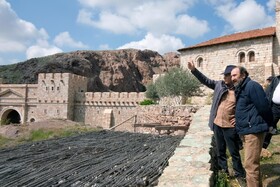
(147,102)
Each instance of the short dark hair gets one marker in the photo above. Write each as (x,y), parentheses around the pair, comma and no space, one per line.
(243,71)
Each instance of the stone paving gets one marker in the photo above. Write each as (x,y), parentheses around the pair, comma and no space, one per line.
(190,164)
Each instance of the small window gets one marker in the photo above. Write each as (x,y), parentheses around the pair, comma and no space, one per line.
(251,56)
(242,57)
(200,62)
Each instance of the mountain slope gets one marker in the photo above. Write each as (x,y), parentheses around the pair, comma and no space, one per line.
(126,70)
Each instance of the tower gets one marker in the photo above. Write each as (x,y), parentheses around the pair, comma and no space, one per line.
(56,94)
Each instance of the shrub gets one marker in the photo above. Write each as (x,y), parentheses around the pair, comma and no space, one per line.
(177,83)
(147,102)
(222,180)
(151,92)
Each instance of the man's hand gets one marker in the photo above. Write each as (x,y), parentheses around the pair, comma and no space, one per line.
(232,121)
(191,65)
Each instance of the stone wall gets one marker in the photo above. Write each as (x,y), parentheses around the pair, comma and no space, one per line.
(65,96)
(164,115)
(217,57)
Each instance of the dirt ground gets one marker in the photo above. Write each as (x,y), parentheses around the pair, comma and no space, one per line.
(15,130)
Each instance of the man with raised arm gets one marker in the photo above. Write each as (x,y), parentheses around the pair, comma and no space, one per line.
(222,120)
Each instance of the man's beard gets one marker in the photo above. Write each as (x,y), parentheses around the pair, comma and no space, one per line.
(238,83)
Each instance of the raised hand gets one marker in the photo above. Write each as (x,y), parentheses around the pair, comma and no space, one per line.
(191,65)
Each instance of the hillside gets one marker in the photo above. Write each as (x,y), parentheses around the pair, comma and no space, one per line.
(126,70)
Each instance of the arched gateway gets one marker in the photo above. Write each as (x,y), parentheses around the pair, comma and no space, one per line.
(10,116)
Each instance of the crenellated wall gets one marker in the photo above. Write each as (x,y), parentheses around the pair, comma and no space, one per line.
(65,96)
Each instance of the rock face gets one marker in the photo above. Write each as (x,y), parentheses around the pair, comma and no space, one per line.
(126,70)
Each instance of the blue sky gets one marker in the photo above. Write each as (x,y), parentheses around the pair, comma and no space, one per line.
(35,28)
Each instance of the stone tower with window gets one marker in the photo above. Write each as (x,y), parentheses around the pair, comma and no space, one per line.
(56,94)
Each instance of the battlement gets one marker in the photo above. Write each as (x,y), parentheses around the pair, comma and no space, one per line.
(110,98)
(60,76)
(114,95)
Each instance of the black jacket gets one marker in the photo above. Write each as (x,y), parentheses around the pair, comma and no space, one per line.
(253,113)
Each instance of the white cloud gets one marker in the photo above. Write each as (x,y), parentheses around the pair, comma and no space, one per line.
(154,16)
(11,46)
(108,21)
(111,4)
(161,44)
(245,16)
(64,39)
(42,48)
(194,28)
(16,34)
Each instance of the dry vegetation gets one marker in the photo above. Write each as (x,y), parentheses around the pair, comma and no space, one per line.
(16,134)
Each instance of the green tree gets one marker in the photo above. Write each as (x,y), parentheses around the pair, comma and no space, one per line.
(177,83)
(151,92)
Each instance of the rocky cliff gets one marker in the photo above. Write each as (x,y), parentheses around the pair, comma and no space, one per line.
(126,70)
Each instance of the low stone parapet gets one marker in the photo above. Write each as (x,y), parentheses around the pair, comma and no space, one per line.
(191,163)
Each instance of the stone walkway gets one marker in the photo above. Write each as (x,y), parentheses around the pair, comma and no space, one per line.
(190,166)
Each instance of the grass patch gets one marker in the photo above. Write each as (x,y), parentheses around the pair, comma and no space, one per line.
(4,141)
(222,180)
(40,134)
(45,134)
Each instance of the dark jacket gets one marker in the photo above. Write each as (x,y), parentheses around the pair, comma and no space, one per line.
(253,113)
(219,88)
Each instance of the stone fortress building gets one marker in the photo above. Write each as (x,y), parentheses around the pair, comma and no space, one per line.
(65,96)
